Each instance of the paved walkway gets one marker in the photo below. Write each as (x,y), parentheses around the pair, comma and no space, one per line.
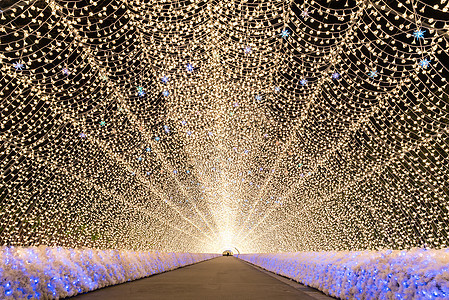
(219,278)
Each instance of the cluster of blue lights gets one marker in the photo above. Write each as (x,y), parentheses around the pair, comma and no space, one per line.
(386,274)
(52,273)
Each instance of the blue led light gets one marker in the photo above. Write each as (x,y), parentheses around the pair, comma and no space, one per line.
(335,75)
(285,33)
(18,66)
(140,91)
(419,34)
(66,71)
(424,63)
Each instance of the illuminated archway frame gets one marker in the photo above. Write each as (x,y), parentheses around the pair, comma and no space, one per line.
(233,249)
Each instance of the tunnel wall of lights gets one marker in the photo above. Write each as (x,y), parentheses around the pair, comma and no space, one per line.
(190,126)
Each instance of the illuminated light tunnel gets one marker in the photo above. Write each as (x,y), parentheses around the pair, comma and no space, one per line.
(140,136)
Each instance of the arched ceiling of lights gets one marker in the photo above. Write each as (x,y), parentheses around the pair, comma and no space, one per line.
(193,126)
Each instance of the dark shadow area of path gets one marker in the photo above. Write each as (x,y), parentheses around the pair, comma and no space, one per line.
(219,278)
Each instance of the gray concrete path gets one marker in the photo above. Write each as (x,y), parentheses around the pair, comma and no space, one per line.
(219,278)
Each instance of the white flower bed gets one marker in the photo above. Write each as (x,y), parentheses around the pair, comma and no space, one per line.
(414,274)
(53,272)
